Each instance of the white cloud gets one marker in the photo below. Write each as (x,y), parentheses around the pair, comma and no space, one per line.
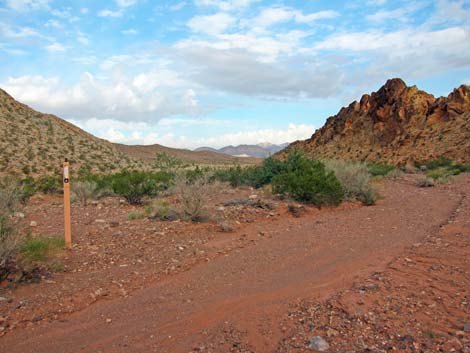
(82,38)
(211,24)
(227,5)
(129,32)
(21,33)
(53,23)
(239,72)
(376,2)
(56,48)
(84,10)
(110,13)
(273,15)
(115,98)
(126,3)
(27,5)
(178,6)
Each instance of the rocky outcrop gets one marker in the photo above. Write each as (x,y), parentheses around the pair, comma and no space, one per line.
(397,124)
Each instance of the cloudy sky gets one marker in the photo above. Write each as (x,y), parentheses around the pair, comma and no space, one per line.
(217,72)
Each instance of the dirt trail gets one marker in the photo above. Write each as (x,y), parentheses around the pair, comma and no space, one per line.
(243,296)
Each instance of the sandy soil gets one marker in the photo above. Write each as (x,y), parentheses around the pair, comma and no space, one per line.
(394,276)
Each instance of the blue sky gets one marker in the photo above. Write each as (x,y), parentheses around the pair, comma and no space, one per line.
(218,72)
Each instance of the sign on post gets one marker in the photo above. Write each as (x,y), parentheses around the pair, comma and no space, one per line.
(67,212)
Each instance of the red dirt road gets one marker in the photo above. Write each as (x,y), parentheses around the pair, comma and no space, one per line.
(236,302)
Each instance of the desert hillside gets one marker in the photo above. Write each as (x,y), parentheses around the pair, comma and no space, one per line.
(397,124)
(34,143)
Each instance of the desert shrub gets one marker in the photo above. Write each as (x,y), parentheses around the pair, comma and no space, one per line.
(28,188)
(49,184)
(168,164)
(395,174)
(438,163)
(463,168)
(224,226)
(162,211)
(308,180)
(85,190)
(192,197)
(39,249)
(380,169)
(355,180)
(135,215)
(425,182)
(135,185)
(8,233)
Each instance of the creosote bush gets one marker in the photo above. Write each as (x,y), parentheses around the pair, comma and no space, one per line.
(308,181)
(135,185)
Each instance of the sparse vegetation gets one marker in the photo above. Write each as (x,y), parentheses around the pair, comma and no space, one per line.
(425,182)
(9,236)
(380,169)
(85,190)
(355,180)
(40,249)
(192,197)
(135,215)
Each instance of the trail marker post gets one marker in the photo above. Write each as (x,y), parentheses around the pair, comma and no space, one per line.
(67,212)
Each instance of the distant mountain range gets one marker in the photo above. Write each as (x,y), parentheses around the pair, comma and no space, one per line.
(260,150)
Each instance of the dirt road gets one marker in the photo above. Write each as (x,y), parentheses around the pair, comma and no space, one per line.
(236,302)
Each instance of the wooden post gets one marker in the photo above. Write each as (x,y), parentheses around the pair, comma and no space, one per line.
(67,212)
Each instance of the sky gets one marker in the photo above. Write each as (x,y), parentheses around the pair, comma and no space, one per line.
(197,73)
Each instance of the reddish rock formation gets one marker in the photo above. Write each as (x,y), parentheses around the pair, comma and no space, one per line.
(397,124)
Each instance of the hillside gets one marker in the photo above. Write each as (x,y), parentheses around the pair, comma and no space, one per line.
(261,150)
(397,124)
(33,143)
(206,157)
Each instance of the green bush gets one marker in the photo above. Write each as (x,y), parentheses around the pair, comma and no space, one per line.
(355,180)
(8,233)
(380,169)
(438,163)
(135,185)
(39,249)
(49,184)
(308,181)
(135,215)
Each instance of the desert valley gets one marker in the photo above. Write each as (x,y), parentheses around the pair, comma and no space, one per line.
(350,237)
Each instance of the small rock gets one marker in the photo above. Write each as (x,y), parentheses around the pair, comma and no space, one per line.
(3,299)
(33,224)
(253,197)
(452,344)
(19,214)
(114,224)
(318,344)
(108,321)
(221,209)
(466,327)
(100,221)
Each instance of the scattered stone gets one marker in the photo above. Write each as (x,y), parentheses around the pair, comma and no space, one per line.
(108,321)
(466,327)
(114,224)
(100,221)
(33,224)
(18,215)
(318,344)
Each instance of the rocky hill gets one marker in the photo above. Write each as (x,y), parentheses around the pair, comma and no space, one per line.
(397,124)
(261,150)
(33,143)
